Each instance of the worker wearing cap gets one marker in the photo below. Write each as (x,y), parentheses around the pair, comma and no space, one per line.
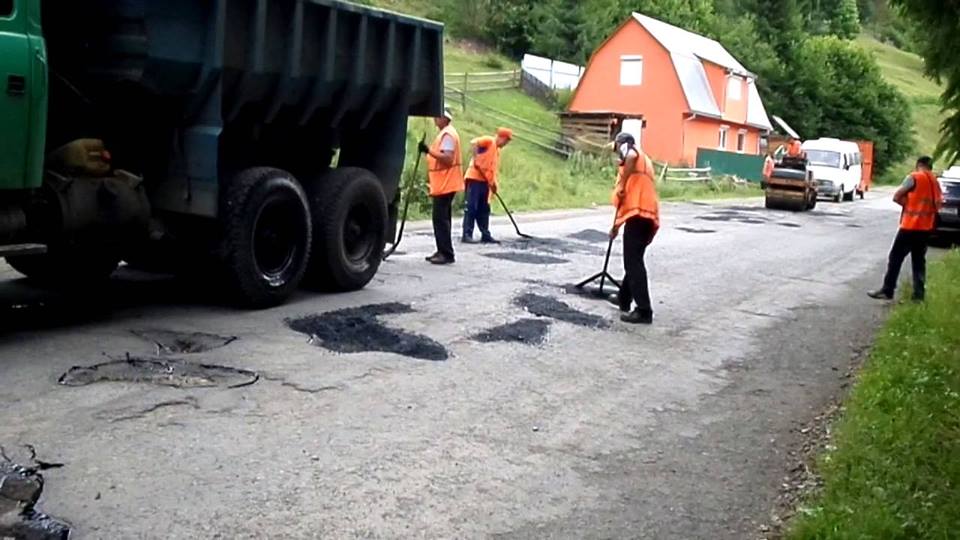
(445,177)
(794,148)
(481,184)
(638,212)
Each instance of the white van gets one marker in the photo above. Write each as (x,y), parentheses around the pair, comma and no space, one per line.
(837,167)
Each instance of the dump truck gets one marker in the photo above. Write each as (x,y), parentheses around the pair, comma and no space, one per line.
(791,186)
(258,141)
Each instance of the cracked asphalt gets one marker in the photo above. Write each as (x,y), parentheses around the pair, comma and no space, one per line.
(679,430)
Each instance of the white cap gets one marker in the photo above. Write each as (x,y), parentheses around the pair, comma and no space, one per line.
(447,113)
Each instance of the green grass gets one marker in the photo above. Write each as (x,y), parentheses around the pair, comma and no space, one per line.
(895,472)
(905,71)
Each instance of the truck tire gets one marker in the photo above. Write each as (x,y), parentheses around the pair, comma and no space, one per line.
(266,236)
(839,196)
(350,219)
(66,267)
(813,201)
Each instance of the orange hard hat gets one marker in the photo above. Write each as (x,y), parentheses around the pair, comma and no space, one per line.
(506,133)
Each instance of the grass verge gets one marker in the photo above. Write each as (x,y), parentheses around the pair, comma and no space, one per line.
(895,469)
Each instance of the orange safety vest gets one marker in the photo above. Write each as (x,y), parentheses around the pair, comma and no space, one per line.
(768,165)
(445,179)
(485,162)
(795,149)
(640,195)
(923,203)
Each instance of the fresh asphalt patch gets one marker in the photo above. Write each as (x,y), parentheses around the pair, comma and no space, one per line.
(524,331)
(695,230)
(525,257)
(546,306)
(357,330)
(552,246)
(591,236)
(20,490)
(161,372)
(171,342)
(789,224)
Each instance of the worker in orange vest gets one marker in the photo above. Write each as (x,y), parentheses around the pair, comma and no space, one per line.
(481,184)
(445,176)
(921,197)
(638,211)
(794,148)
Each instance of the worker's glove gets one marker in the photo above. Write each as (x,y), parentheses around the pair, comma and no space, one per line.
(423,148)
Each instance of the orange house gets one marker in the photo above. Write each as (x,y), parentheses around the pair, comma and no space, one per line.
(688,90)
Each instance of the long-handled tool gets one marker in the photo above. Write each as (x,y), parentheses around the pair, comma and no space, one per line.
(510,215)
(604,274)
(411,185)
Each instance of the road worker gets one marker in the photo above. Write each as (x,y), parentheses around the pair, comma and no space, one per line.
(768,165)
(921,197)
(445,177)
(794,148)
(638,212)
(481,184)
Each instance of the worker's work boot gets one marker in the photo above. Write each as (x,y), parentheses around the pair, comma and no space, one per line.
(621,301)
(489,240)
(880,294)
(432,257)
(638,316)
(468,240)
(440,259)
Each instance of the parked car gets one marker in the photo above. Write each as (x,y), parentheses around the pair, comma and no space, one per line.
(949,217)
(837,167)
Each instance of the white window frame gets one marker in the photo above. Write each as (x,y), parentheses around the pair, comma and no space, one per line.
(741,141)
(724,131)
(631,78)
(738,95)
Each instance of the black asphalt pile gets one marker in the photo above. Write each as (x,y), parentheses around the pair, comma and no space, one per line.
(693,230)
(546,306)
(165,372)
(357,330)
(552,246)
(591,236)
(20,489)
(170,342)
(525,257)
(525,331)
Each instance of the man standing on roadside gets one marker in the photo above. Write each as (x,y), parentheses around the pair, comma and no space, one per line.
(921,197)
(445,177)
(482,184)
(768,165)
(638,211)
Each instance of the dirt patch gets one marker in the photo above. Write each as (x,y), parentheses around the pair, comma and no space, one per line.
(525,257)
(693,230)
(545,306)
(525,331)
(20,489)
(171,342)
(592,236)
(162,372)
(356,330)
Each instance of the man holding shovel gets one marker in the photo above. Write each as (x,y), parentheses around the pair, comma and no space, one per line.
(482,184)
(638,212)
(445,176)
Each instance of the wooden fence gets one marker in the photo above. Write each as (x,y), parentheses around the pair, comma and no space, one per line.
(484,81)
(673,174)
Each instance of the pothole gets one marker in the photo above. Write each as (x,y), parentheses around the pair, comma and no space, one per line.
(20,489)
(591,236)
(693,230)
(525,257)
(545,306)
(525,331)
(356,330)
(171,342)
(162,372)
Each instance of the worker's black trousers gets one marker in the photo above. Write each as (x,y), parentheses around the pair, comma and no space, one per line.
(443,224)
(913,243)
(637,235)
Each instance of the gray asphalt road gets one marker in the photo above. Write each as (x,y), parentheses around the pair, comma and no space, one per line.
(679,430)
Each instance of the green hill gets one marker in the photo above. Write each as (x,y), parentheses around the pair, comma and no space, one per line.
(905,71)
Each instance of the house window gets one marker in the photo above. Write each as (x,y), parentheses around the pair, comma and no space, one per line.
(735,88)
(631,70)
(723,138)
(741,140)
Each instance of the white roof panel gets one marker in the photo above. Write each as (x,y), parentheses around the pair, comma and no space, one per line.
(695,85)
(685,43)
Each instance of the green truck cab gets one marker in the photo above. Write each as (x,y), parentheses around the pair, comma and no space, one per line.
(260,139)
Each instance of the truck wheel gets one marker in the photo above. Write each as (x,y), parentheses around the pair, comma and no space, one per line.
(813,201)
(65,267)
(839,196)
(350,219)
(267,236)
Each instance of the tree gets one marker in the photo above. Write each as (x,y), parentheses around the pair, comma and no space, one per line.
(555,29)
(939,42)
(845,19)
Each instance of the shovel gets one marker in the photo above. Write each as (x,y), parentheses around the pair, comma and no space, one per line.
(510,215)
(411,185)
(603,275)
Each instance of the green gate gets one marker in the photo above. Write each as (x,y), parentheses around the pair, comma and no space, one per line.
(745,166)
